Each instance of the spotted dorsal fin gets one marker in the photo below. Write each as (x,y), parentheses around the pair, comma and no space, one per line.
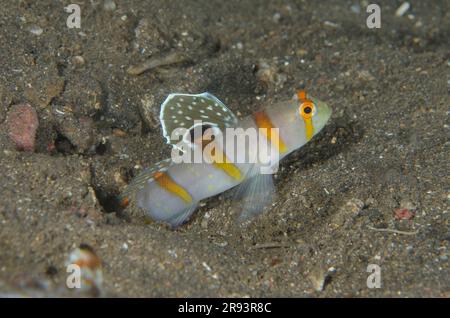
(182,110)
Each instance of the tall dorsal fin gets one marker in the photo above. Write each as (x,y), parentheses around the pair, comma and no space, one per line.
(181,110)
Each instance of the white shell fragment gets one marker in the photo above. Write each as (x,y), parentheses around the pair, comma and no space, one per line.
(402,9)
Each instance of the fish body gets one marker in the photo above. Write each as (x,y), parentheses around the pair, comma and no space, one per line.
(170,190)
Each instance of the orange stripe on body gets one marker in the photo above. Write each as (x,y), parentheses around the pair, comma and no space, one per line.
(263,121)
(222,162)
(309,128)
(167,183)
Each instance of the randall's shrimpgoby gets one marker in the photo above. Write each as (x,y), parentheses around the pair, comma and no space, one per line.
(171,190)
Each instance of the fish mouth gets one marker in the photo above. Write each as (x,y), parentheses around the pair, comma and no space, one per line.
(323,115)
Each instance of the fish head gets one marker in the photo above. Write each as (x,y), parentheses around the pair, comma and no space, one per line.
(312,112)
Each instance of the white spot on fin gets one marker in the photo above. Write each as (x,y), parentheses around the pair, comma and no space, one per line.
(181,110)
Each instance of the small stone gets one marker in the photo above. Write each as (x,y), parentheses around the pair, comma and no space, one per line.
(78,60)
(270,76)
(22,123)
(109,5)
(403,214)
(36,30)
(149,113)
(301,52)
(402,9)
(331,24)
(365,75)
(79,132)
(206,266)
(354,206)
(119,132)
(276,17)
(347,212)
(319,277)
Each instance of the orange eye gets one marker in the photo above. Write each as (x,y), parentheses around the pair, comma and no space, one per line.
(307,109)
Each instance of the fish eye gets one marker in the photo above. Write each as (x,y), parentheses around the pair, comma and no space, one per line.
(307,109)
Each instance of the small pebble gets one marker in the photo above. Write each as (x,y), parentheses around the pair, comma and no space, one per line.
(354,206)
(402,9)
(347,212)
(331,24)
(78,60)
(206,266)
(403,214)
(109,5)
(36,30)
(276,17)
(301,52)
(418,24)
(119,132)
(22,123)
(319,277)
(267,74)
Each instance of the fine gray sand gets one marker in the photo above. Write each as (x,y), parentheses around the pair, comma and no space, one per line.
(370,189)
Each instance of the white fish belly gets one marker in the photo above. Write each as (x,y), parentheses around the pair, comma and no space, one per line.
(159,203)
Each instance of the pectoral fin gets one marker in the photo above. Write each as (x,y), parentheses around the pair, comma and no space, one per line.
(254,195)
(181,217)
